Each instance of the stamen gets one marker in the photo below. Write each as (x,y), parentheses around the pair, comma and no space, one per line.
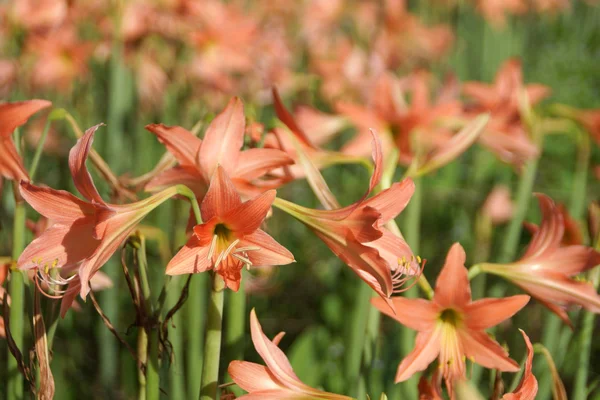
(247,248)
(211,249)
(243,259)
(224,254)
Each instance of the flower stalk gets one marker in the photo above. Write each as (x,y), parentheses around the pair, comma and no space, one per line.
(212,341)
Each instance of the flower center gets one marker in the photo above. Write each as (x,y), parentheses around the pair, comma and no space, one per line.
(450,316)
(406,270)
(49,281)
(223,247)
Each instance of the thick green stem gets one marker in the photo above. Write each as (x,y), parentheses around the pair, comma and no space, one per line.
(524,191)
(356,339)
(195,315)
(16,289)
(212,342)
(235,315)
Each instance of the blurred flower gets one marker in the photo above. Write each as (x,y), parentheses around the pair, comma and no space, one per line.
(277,379)
(546,270)
(152,81)
(83,235)
(451,326)
(222,145)
(528,386)
(494,11)
(55,144)
(413,128)
(551,6)
(498,206)
(38,15)
(12,116)
(505,134)
(59,59)
(230,236)
(589,119)
(431,390)
(8,76)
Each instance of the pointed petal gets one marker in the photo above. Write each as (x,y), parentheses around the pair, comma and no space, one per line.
(363,118)
(395,250)
(13,115)
(270,253)
(81,176)
(11,165)
(191,259)
(252,377)
(392,201)
(248,216)
(485,313)
(452,286)
(485,351)
(277,362)
(551,229)
(427,348)
(571,260)
(221,197)
(178,176)
(528,387)
(254,163)
(284,116)
(483,93)
(180,142)
(319,126)
(60,246)
(417,314)
(57,205)
(223,140)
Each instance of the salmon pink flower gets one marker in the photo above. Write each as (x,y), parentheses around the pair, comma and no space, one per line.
(546,270)
(276,380)
(223,140)
(230,236)
(528,386)
(451,326)
(13,115)
(83,234)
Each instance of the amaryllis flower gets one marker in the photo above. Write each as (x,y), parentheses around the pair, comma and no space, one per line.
(412,128)
(546,270)
(451,326)
(498,206)
(588,118)
(13,115)
(494,11)
(276,380)
(83,233)
(528,386)
(230,236)
(505,134)
(223,140)
(356,233)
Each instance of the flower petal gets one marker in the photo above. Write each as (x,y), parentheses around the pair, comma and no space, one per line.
(427,348)
(528,387)
(452,287)
(11,165)
(180,142)
(248,216)
(551,230)
(191,259)
(486,351)
(57,205)
(485,313)
(221,197)
(178,176)
(60,246)
(270,253)
(254,163)
(395,251)
(223,140)
(13,115)
(252,377)
(391,202)
(81,176)
(417,314)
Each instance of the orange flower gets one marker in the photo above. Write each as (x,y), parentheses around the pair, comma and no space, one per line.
(83,234)
(13,115)
(451,326)
(498,206)
(399,123)
(546,270)
(222,145)
(505,134)
(528,386)
(276,380)
(230,236)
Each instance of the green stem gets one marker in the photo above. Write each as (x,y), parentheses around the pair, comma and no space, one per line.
(150,352)
(195,314)
(356,339)
(16,290)
(38,151)
(524,191)
(212,342)
(235,323)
